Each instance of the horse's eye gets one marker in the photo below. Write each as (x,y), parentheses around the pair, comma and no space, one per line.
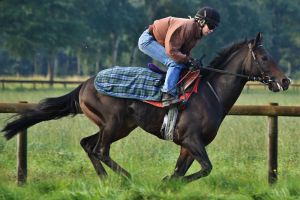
(264,58)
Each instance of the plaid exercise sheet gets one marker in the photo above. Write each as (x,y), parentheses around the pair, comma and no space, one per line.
(130,82)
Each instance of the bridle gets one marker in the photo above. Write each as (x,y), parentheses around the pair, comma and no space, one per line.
(263,78)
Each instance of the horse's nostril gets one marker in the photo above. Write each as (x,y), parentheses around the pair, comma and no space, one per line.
(286,81)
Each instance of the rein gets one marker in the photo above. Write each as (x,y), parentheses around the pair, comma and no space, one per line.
(263,78)
(226,72)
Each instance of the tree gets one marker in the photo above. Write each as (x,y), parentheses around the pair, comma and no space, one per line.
(96,33)
(34,26)
(285,28)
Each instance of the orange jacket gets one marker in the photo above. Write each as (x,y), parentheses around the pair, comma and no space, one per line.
(177,35)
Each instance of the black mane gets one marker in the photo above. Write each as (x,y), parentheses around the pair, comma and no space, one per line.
(222,56)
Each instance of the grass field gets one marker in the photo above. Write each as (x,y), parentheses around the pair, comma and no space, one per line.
(59,169)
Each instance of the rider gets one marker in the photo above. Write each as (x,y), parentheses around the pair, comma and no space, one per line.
(170,40)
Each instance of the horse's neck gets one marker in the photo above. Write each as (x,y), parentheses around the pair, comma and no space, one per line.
(228,87)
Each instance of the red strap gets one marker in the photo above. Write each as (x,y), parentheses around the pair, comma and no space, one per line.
(184,97)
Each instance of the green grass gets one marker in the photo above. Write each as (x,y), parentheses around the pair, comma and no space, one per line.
(59,169)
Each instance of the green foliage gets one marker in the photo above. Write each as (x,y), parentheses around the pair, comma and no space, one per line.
(58,168)
(93,34)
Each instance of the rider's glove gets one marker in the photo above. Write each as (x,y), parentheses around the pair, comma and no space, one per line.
(194,63)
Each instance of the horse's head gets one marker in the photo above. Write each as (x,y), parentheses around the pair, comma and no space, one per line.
(264,68)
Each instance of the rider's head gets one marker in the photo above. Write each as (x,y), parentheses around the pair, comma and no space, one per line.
(208,16)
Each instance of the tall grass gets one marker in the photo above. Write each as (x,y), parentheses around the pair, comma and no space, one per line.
(59,169)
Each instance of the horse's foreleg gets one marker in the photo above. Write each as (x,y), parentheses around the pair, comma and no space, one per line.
(184,162)
(198,151)
(88,144)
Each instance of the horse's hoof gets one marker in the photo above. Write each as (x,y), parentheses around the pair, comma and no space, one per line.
(127,176)
(103,176)
(167,178)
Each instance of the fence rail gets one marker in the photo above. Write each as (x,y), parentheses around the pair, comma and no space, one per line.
(272,111)
(35,82)
(248,86)
(256,110)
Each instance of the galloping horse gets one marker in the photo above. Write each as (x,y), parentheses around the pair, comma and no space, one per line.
(197,124)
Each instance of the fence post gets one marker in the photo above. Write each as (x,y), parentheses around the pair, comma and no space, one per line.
(273,147)
(3,87)
(22,156)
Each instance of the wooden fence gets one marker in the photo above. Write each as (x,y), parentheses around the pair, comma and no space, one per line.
(34,84)
(272,111)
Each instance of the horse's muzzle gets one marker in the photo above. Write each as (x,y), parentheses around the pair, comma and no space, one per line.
(276,86)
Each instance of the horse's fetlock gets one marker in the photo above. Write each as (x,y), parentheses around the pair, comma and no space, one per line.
(207,170)
(104,158)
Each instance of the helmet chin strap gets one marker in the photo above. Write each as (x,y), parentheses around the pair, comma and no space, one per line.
(201,22)
(198,21)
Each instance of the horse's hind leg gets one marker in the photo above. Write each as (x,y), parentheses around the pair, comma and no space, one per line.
(88,144)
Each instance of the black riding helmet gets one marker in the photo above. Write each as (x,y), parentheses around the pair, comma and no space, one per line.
(208,15)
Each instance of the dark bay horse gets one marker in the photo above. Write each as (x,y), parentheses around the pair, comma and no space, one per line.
(197,124)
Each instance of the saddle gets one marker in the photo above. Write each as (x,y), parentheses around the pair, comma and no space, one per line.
(187,84)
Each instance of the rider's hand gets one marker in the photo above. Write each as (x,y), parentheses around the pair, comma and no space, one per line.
(194,63)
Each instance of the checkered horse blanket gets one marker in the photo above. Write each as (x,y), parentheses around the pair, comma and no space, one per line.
(130,82)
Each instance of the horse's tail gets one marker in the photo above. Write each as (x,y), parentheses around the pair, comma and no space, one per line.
(47,109)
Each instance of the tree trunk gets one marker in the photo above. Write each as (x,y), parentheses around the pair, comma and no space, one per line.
(35,65)
(115,49)
(97,65)
(276,21)
(85,68)
(98,59)
(55,63)
(66,65)
(133,55)
(289,69)
(78,65)
(151,7)
(70,66)
(51,68)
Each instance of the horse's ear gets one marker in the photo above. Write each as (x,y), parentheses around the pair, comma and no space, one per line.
(258,39)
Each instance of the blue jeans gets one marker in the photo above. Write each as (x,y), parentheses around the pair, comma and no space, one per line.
(149,46)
